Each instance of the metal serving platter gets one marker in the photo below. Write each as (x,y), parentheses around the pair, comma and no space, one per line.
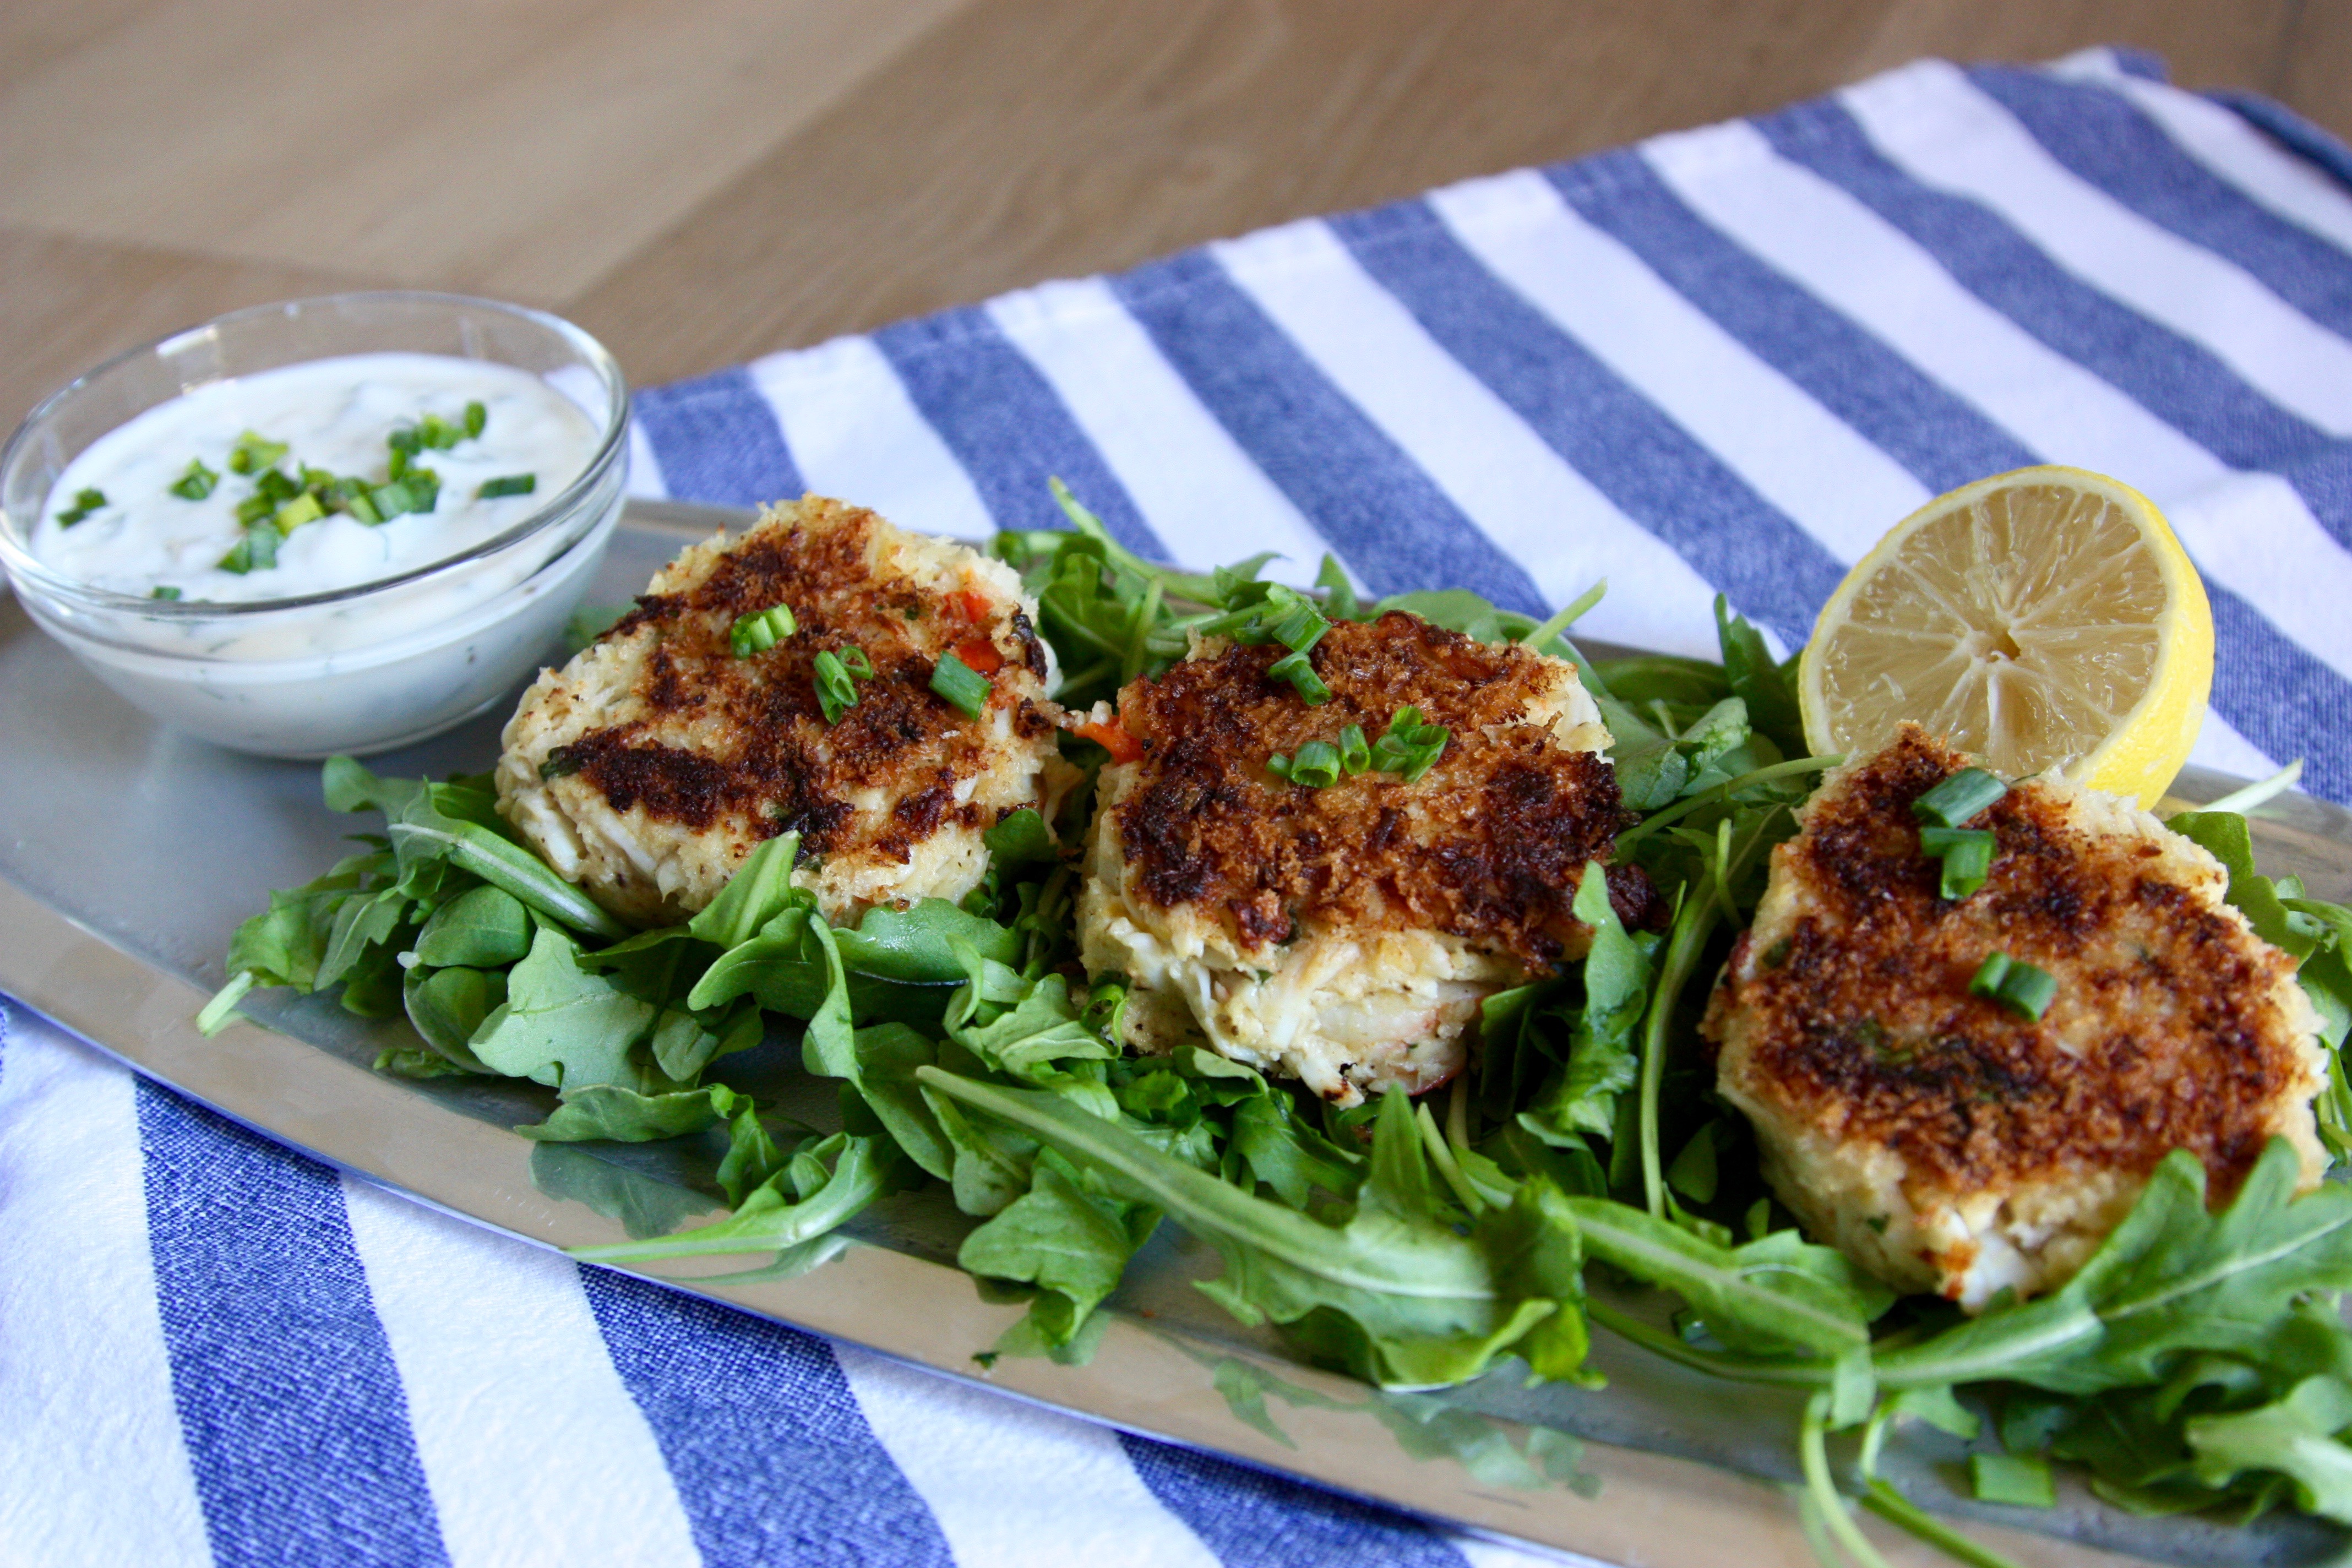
(128,852)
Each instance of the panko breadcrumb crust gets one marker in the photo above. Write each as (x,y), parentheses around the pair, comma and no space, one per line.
(1944,1142)
(668,759)
(1345,935)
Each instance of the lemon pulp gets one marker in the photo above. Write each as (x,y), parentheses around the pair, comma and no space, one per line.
(2037,619)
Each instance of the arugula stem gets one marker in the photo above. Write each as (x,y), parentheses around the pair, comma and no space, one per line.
(1442,1156)
(1692,925)
(1667,815)
(1457,1112)
(1569,614)
(1661,1343)
(1814,1450)
(1896,1509)
(2245,799)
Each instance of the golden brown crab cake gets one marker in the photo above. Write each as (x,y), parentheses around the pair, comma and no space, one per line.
(649,767)
(1346,935)
(1944,1143)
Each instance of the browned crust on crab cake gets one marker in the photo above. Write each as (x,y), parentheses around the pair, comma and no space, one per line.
(696,740)
(1847,1031)
(1489,845)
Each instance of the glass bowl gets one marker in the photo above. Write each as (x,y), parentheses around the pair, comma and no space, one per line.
(362,668)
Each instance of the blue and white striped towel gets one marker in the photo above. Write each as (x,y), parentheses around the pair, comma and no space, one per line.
(1724,360)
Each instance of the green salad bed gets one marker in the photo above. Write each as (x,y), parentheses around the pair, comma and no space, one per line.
(2199,1362)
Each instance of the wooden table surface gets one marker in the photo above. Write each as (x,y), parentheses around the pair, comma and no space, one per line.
(697,181)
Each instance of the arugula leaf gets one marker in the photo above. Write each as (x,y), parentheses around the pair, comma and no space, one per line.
(758,893)
(1764,685)
(2172,1280)
(1069,1237)
(807,1199)
(622,1114)
(449,1006)
(1580,1097)
(1396,1294)
(482,929)
(642,1205)
(561,1024)
(2297,1437)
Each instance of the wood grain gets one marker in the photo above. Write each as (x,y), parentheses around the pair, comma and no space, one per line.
(701,181)
(511,150)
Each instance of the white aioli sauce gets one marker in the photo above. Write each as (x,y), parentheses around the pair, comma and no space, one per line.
(331,413)
(366,671)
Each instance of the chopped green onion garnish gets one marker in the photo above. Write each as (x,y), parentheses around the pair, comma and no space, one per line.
(391,500)
(90,501)
(253,509)
(1952,803)
(836,693)
(255,454)
(70,516)
(302,509)
(476,417)
(398,467)
(1355,752)
(277,487)
(1294,669)
(1317,765)
(424,486)
(2022,1480)
(316,479)
(1967,854)
(356,502)
(512,485)
(255,551)
(196,483)
(2016,985)
(1410,747)
(759,631)
(439,434)
(560,763)
(163,591)
(1278,765)
(960,686)
(853,659)
(406,440)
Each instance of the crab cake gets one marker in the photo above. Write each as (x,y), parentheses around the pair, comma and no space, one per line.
(1944,1143)
(1345,935)
(649,767)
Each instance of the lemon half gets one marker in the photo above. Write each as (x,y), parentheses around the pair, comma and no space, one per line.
(2038,619)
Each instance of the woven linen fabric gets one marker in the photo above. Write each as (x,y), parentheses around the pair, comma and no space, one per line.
(1724,360)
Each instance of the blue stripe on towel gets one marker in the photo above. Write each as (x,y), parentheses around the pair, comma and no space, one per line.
(296,1425)
(1254,1520)
(2103,138)
(1371,503)
(2279,696)
(2178,381)
(773,1460)
(1630,450)
(2291,130)
(1943,440)
(1007,425)
(718,441)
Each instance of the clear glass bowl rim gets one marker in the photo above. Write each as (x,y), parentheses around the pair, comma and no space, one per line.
(27,571)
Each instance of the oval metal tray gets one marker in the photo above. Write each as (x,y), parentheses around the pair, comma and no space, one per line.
(128,853)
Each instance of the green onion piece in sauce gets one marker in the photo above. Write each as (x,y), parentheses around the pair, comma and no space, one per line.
(255,551)
(960,686)
(302,509)
(163,591)
(476,417)
(196,483)
(510,485)
(391,500)
(255,453)
(424,486)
